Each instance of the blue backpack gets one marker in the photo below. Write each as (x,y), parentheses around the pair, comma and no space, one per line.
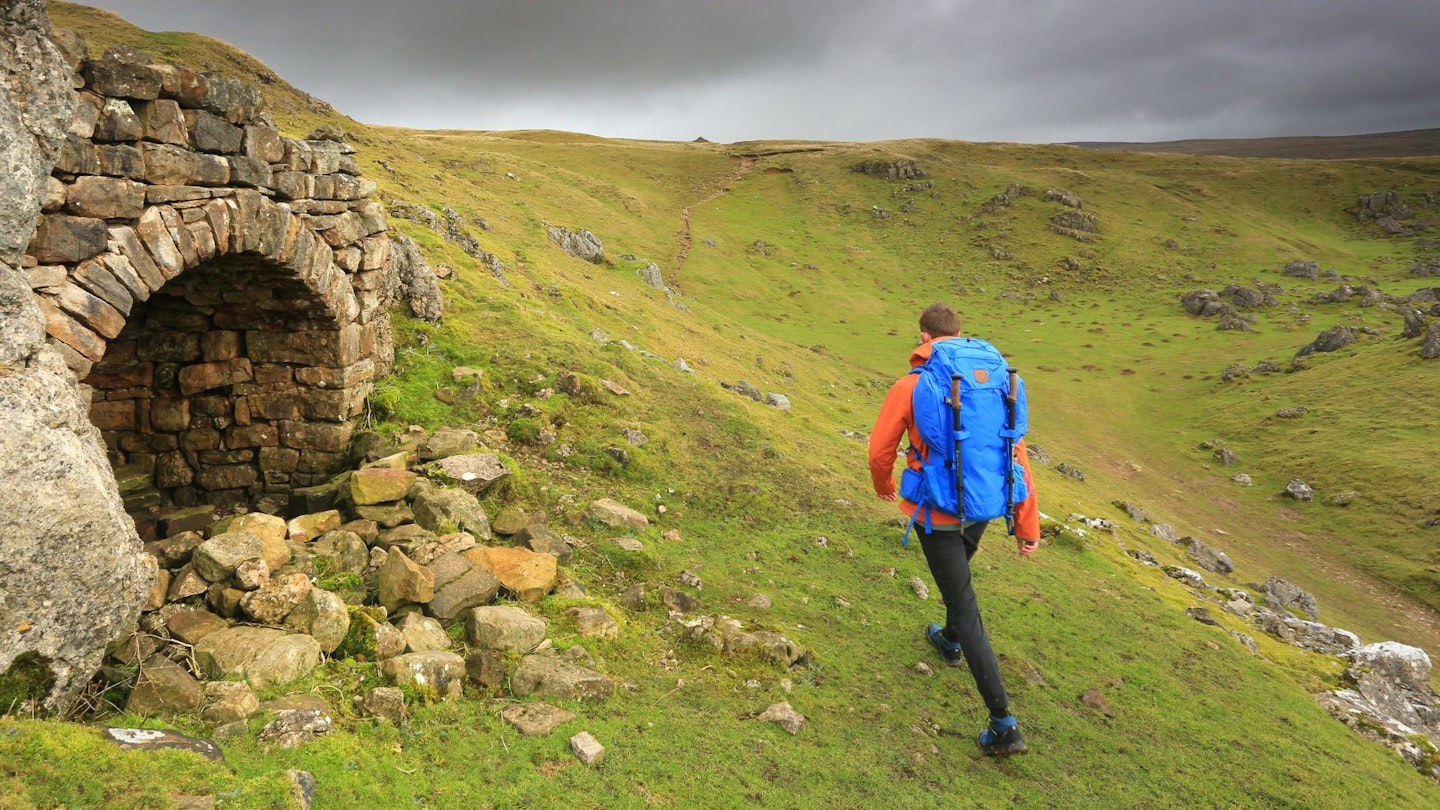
(991,482)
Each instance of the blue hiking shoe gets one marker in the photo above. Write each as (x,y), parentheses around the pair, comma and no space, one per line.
(949,650)
(1002,738)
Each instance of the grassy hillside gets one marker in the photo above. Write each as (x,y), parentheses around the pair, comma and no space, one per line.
(803,277)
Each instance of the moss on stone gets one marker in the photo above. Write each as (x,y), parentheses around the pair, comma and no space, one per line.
(28,680)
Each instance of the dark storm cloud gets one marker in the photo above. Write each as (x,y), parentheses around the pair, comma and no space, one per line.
(1022,70)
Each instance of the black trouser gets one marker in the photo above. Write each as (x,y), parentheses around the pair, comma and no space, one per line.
(949,553)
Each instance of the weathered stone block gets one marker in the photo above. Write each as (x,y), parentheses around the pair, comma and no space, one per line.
(207,376)
(263,143)
(210,170)
(549,676)
(90,310)
(216,558)
(97,278)
(323,616)
(402,581)
(120,160)
(437,673)
(263,656)
(164,122)
(293,185)
(472,587)
(167,164)
(237,476)
(118,123)
(276,599)
(374,486)
(528,575)
(125,79)
(63,239)
(163,688)
(113,415)
(106,198)
(502,627)
(250,172)
(330,438)
(155,236)
(172,470)
(209,133)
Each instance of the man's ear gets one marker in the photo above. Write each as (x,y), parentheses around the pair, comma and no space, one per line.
(925,337)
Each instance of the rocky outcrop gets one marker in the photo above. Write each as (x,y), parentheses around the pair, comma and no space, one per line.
(60,510)
(580,244)
(418,286)
(890,170)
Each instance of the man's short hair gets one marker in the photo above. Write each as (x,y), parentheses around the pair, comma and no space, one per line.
(940,320)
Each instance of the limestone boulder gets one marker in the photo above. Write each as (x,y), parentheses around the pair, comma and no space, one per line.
(502,627)
(460,584)
(323,616)
(377,485)
(276,599)
(616,515)
(539,537)
(163,687)
(423,634)
(447,510)
(473,472)
(548,676)
(435,673)
(404,581)
(273,535)
(1398,663)
(526,574)
(217,558)
(261,656)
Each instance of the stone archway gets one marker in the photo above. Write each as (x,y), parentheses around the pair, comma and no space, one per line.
(221,289)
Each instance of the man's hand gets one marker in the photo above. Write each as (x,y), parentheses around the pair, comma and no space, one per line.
(889,497)
(1027,547)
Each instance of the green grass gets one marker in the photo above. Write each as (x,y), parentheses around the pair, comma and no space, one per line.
(1122,383)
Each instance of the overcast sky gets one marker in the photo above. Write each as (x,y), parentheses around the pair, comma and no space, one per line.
(1034,71)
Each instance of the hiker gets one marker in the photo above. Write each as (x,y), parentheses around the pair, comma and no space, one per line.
(949,543)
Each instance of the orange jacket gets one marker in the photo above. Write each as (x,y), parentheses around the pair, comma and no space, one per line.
(896,419)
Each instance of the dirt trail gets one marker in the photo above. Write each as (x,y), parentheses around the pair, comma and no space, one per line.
(743,166)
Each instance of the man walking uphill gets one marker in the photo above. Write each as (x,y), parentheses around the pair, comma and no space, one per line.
(951,396)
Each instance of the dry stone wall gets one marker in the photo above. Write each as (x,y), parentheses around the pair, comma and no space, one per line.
(221,288)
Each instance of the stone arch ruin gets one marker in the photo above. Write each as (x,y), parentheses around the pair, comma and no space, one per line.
(221,289)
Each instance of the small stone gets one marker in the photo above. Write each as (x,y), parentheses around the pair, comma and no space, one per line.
(919,587)
(533,719)
(228,702)
(784,716)
(587,749)
(384,701)
(1094,699)
(594,623)
(294,727)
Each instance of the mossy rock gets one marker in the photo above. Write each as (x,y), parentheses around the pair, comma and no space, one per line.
(28,680)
